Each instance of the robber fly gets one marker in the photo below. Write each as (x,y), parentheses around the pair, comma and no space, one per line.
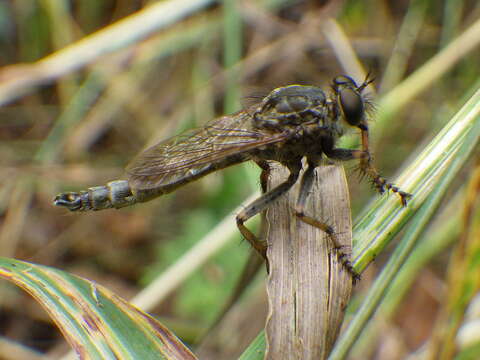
(292,123)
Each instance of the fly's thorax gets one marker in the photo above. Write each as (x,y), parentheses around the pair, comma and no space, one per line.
(291,106)
(306,140)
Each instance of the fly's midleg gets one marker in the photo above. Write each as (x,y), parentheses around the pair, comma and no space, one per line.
(305,187)
(116,194)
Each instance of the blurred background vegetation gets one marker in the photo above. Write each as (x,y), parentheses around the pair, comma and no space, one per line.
(84,123)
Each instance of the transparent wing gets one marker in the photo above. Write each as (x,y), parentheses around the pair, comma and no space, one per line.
(220,143)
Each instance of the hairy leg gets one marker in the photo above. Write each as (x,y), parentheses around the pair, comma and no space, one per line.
(262,203)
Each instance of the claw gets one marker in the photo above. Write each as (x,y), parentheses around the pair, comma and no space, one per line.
(404,197)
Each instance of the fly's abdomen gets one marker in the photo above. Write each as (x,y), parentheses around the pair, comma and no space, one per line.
(115,194)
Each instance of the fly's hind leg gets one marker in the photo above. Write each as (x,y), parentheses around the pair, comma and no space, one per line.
(264,175)
(263,202)
(305,187)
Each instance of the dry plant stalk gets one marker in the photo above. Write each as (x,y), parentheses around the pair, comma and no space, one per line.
(308,286)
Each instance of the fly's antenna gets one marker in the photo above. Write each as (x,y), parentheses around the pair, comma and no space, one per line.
(368,80)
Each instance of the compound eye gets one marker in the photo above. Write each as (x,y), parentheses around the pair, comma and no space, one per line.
(352,106)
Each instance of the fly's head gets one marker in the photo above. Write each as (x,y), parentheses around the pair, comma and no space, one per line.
(351,103)
(290,106)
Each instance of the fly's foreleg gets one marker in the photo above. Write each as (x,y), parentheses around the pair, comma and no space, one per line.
(115,194)
(367,168)
(261,204)
(305,187)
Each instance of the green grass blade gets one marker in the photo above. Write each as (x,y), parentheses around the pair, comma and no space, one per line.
(97,323)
